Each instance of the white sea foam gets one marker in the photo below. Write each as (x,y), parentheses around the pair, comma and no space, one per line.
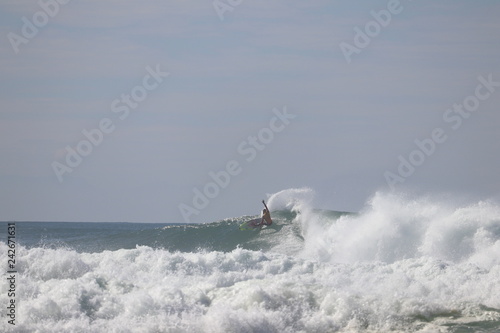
(393,228)
(146,290)
(400,265)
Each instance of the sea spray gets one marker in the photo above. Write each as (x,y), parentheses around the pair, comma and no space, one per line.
(393,228)
(153,290)
(400,265)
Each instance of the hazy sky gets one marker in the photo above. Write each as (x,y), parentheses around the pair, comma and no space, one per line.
(124,110)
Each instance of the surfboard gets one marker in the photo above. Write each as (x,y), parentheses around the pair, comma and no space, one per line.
(250,225)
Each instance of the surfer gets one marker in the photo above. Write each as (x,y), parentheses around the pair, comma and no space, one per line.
(266,216)
(258,223)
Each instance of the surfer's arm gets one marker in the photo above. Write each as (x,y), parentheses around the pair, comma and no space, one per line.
(265,205)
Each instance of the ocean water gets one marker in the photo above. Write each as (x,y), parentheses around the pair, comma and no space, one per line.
(399,265)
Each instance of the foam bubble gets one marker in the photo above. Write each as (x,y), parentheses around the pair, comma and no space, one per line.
(399,265)
(154,290)
(393,228)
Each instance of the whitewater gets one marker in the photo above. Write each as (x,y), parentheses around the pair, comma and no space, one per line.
(401,264)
